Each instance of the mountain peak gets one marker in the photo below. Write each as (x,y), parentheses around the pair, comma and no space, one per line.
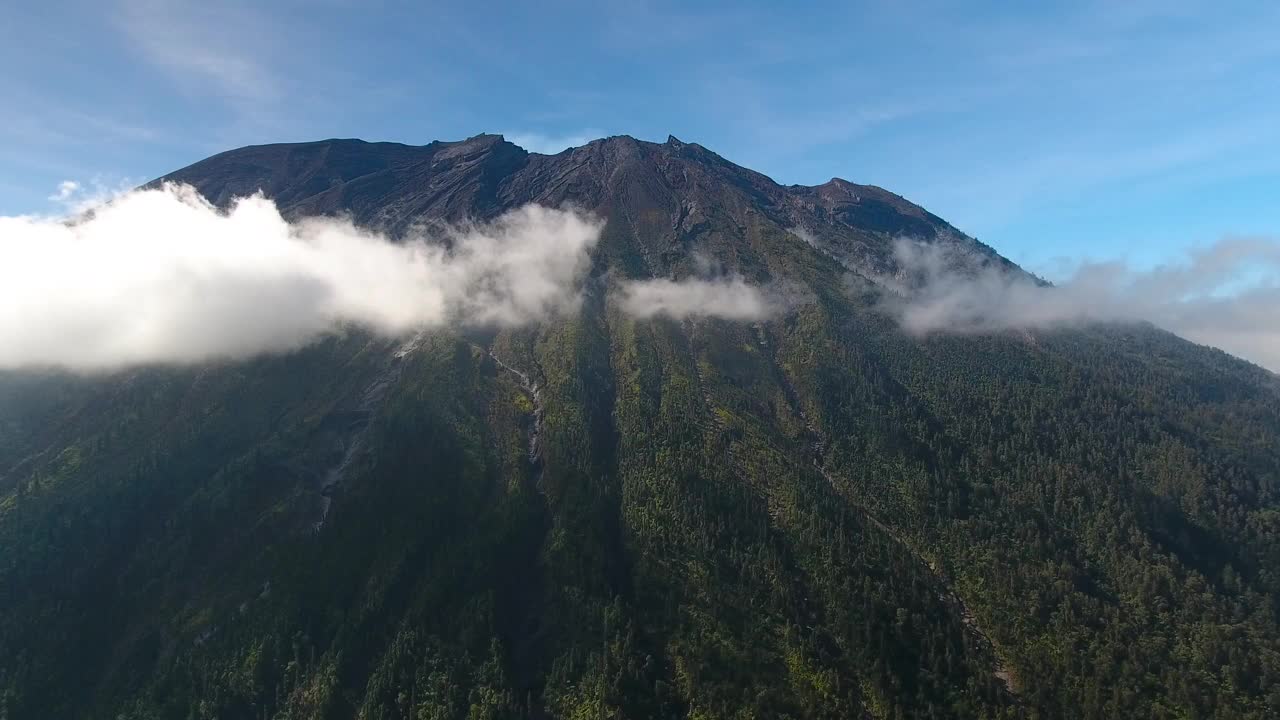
(700,194)
(483,140)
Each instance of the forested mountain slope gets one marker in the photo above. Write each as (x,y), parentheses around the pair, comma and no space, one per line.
(813,516)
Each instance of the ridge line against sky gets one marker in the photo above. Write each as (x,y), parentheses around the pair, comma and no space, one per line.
(1098,130)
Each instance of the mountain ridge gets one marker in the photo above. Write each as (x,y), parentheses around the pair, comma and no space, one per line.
(478,177)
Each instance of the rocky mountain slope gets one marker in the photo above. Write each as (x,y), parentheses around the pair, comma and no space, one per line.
(812,516)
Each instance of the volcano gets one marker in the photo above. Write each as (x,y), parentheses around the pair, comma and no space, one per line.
(812,515)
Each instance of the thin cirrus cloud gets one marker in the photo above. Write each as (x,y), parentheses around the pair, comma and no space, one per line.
(219,46)
(1224,295)
(162,276)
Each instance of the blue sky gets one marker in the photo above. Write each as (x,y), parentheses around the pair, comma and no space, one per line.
(1048,130)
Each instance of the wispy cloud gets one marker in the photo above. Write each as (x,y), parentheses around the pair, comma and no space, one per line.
(219,47)
(34,120)
(1006,190)
(1088,100)
(66,189)
(1224,295)
(728,298)
(74,198)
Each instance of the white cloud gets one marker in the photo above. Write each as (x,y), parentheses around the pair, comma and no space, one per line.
(161,276)
(66,189)
(1225,295)
(74,197)
(729,298)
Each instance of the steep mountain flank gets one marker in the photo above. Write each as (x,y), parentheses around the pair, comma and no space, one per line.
(811,516)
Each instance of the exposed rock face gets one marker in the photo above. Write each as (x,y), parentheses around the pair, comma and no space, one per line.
(675,196)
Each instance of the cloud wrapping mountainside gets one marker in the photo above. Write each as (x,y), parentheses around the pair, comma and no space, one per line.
(162,276)
(1225,295)
(727,298)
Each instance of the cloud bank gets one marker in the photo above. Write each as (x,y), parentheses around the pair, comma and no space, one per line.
(1226,295)
(161,276)
(728,298)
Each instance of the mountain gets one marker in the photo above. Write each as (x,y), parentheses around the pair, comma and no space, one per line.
(599,516)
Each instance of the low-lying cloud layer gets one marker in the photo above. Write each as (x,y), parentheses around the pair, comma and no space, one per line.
(728,298)
(1226,295)
(161,276)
